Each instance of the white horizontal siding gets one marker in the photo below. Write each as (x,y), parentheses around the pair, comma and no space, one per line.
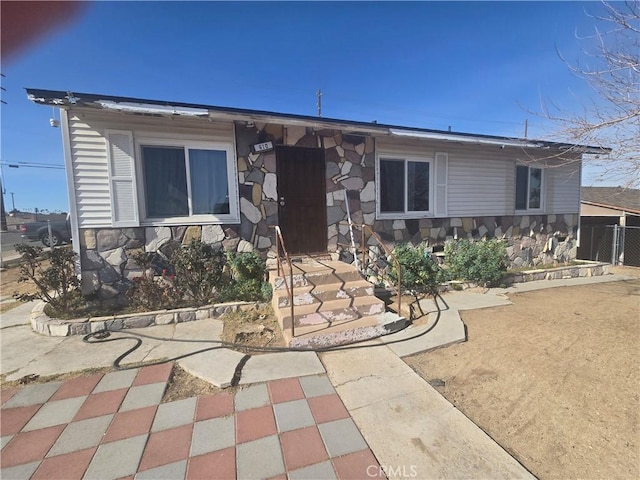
(90,175)
(479,185)
(481,179)
(563,188)
(89,153)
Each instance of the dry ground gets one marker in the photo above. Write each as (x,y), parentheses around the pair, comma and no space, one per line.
(9,285)
(554,378)
(253,328)
(181,384)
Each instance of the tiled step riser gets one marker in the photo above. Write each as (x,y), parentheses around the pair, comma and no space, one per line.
(321,278)
(358,330)
(318,295)
(332,316)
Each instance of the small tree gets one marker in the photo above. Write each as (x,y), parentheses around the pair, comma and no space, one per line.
(611,67)
(56,284)
(420,274)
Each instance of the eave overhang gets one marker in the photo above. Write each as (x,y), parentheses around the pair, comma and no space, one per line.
(129,105)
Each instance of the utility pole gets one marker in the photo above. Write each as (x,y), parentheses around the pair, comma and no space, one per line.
(13,203)
(319,95)
(526,127)
(3,214)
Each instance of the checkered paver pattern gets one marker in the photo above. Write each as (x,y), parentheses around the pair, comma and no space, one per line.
(113,426)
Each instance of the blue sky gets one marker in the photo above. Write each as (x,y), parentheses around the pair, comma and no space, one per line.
(475,66)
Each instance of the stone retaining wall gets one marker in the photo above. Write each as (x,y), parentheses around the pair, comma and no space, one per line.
(53,327)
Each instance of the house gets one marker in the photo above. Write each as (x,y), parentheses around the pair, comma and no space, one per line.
(610,225)
(150,174)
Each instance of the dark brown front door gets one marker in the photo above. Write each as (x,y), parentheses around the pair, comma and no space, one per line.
(302,199)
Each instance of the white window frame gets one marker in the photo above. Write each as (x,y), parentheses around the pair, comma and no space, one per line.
(542,189)
(407,214)
(233,217)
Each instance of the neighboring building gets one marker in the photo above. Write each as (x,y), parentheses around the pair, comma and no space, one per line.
(602,210)
(154,174)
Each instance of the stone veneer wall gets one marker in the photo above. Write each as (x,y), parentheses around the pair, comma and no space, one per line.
(350,165)
(531,239)
(106,253)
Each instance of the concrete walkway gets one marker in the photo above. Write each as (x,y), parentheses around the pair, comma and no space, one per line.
(25,352)
(411,429)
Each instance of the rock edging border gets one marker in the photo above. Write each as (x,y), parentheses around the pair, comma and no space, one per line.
(53,327)
(586,269)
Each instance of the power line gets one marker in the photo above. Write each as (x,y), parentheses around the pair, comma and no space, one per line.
(33,165)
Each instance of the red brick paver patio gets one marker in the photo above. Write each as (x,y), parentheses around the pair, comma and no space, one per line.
(114,426)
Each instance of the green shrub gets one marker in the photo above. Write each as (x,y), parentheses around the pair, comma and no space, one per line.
(247,266)
(483,262)
(57,284)
(200,272)
(248,284)
(420,273)
(149,292)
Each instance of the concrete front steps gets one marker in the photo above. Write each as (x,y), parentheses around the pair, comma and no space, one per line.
(333,305)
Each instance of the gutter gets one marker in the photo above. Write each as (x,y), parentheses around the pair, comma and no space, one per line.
(481,140)
(152,109)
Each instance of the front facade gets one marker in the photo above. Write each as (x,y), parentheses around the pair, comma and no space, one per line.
(154,175)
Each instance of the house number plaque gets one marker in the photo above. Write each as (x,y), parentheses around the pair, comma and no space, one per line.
(263,147)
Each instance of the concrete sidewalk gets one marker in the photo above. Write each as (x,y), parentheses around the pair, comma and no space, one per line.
(25,352)
(411,427)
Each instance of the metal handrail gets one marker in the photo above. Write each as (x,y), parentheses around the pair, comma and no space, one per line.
(280,244)
(389,254)
(364,227)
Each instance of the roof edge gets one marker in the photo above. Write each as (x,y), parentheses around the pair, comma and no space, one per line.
(68,99)
(633,211)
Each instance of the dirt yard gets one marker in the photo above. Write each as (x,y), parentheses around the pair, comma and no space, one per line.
(9,285)
(554,379)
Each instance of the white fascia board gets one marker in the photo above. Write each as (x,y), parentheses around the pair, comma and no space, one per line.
(43,101)
(464,139)
(290,121)
(153,109)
